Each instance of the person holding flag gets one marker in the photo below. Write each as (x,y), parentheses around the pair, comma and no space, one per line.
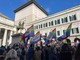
(26,36)
(36,38)
(51,35)
(66,35)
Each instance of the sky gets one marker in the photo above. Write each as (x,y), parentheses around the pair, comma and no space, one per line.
(7,7)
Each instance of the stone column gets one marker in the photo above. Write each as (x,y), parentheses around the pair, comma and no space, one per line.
(4,38)
(10,39)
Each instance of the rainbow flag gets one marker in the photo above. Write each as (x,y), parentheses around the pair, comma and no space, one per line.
(26,34)
(31,31)
(25,37)
(52,34)
(68,30)
(22,40)
(36,38)
(47,41)
(67,33)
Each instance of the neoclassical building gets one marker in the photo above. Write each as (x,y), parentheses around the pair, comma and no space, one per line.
(31,13)
(6,30)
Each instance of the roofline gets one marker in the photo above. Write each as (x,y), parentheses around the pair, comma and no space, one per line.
(27,4)
(57,14)
(6,17)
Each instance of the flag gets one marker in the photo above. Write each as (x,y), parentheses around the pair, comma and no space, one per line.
(26,34)
(67,33)
(62,37)
(36,38)
(22,39)
(31,31)
(25,37)
(52,34)
(68,30)
(47,41)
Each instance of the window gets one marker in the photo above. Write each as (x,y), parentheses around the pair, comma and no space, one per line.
(72,31)
(70,18)
(46,25)
(62,20)
(77,30)
(74,17)
(36,27)
(66,20)
(58,21)
(51,22)
(55,22)
(41,25)
(64,31)
(58,33)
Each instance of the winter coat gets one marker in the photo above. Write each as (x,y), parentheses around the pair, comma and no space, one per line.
(30,54)
(37,55)
(65,56)
(12,55)
(52,56)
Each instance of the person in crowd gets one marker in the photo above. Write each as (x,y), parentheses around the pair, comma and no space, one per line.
(72,48)
(65,53)
(75,41)
(37,54)
(8,48)
(2,51)
(30,53)
(77,53)
(45,52)
(52,55)
(68,41)
(19,50)
(12,55)
(23,54)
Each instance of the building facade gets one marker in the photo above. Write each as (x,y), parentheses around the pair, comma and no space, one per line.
(6,30)
(33,14)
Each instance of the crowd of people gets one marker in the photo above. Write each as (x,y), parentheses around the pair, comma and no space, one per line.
(57,51)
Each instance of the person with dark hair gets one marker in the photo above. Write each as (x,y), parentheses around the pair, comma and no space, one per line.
(2,51)
(68,41)
(37,54)
(30,53)
(45,53)
(75,41)
(23,53)
(52,55)
(65,53)
(77,53)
